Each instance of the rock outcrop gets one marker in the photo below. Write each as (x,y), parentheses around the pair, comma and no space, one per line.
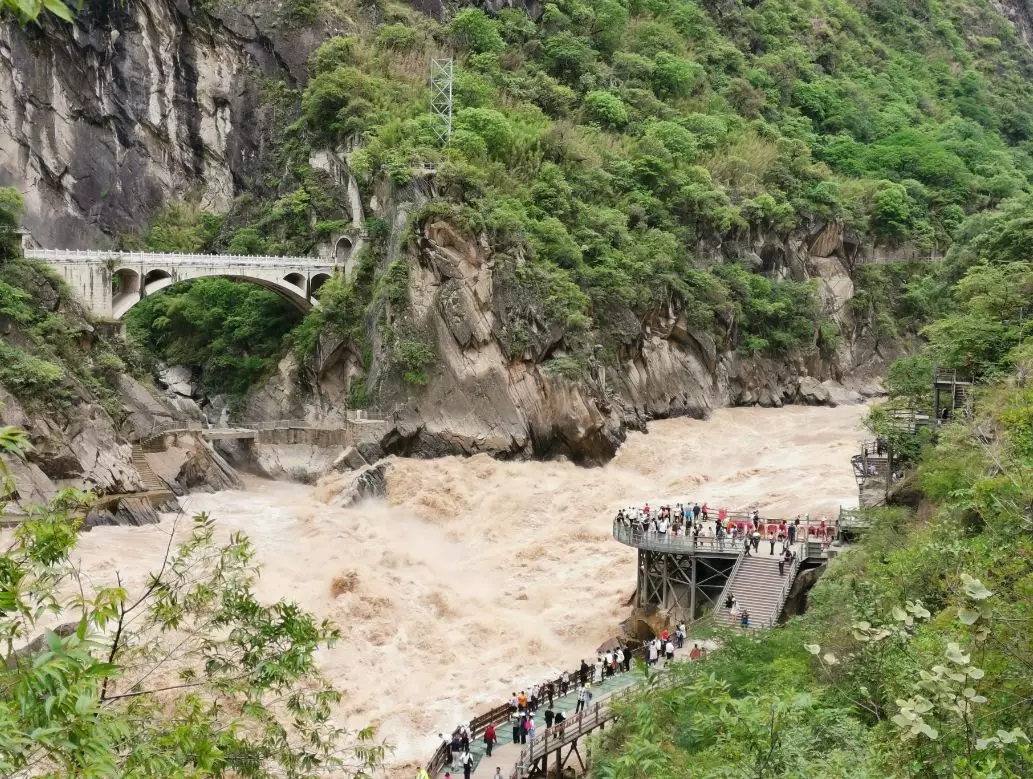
(478,398)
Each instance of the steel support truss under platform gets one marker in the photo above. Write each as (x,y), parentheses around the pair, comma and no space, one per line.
(681,583)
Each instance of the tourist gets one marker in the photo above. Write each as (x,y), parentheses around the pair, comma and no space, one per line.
(514,704)
(525,725)
(735,607)
(490,737)
(771,538)
(756,519)
(744,620)
(498,773)
(582,699)
(583,674)
(533,698)
(679,634)
(627,660)
(696,511)
(522,701)
(447,743)
(720,531)
(729,601)
(756,540)
(518,724)
(558,722)
(608,662)
(456,747)
(597,669)
(564,683)
(466,761)
(550,715)
(530,729)
(705,511)
(464,737)
(781,565)
(694,654)
(652,653)
(669,650)
(550,692)
(619,658)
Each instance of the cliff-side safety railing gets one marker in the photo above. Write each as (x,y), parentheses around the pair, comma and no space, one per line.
(501,714)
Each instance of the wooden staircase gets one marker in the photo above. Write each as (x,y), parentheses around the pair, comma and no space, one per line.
(151,481)
(759,589)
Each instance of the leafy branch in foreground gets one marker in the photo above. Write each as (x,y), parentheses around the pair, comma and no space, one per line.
(191,677)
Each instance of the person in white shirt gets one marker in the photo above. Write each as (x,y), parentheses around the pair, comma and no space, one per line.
(498,773)
(466,761)
(620,659)
(669,650)
(661,527)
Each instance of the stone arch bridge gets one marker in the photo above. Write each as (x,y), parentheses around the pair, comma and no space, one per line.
(111,283)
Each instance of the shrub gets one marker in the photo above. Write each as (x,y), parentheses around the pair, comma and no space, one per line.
(473,30)
(607,109)
(414,356)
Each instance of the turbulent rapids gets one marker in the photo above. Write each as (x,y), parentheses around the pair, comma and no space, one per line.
(474,576)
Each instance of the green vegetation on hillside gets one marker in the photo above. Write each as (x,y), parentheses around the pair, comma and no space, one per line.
(232,330)
(914,657)
(50,356)
(608,149)
(611,142)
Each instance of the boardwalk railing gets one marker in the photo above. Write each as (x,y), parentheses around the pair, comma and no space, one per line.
(501,714)
(185,426)
(577,726)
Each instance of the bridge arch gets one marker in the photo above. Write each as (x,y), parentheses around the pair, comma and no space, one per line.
(284,289)
(316,282)
(125,289)
(157,278)
(297,280)
(343,250)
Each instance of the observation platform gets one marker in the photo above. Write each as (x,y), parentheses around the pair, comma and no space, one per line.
(682,574)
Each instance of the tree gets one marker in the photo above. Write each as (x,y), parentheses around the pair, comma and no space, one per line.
(29,10)
(11,208)
(192,676)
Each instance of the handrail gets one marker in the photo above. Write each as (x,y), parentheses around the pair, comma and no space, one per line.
(783,596)
(500,714)
(578,725)
(727,589)
(187,426)
(159,257)
(629,535)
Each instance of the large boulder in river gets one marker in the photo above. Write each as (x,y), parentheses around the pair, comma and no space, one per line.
(811,392)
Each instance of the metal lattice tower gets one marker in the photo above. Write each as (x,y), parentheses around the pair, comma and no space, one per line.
(441,98)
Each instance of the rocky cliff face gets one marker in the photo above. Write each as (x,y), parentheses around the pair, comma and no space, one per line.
(479,399)
(136,105)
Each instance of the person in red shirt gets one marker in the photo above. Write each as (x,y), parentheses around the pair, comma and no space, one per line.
(489,737)
(694,654)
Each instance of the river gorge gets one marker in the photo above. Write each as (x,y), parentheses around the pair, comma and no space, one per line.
(473,575)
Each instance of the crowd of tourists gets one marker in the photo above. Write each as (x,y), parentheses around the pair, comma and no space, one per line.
(720,528)
(541,697)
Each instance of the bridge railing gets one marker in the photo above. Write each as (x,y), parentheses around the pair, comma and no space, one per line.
(159,258)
